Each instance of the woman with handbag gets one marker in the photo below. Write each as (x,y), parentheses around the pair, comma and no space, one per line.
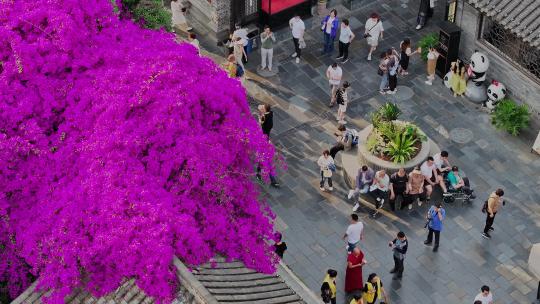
(373,30)
(326,163)
(329,27)
(328,287)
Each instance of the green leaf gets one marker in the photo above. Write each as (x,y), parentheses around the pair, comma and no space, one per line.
(510,117)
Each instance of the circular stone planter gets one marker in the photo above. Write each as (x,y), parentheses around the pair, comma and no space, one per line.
(367,158)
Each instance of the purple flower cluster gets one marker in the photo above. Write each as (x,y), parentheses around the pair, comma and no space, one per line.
(120,149)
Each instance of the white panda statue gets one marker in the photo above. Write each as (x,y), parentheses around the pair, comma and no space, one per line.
(495,92)
(478,67)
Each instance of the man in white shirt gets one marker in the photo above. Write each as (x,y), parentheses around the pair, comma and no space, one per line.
(334,74)
(441,161)
(379,189)
(298,28)
(354,233)
(346,36)
(431,177)
(484,297)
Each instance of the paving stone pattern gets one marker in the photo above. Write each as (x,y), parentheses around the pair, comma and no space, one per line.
(313,222)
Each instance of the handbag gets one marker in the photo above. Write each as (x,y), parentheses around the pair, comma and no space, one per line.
(327,173)
(485,207)
(366,35)
(380,72)
(332,167)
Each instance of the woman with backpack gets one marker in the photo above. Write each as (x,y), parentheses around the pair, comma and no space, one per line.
(328,287)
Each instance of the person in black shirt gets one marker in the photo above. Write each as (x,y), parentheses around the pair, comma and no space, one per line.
(266,119)
(398,187)
(279,246)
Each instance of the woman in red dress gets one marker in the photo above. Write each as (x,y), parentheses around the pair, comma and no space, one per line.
(353,275)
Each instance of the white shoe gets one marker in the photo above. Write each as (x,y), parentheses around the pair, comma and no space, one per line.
(378,199)
(418,27)
(369,57)
(419,203)
(410,206)
(342,122)
(297,60)
(350,195)
(294,55)
(382,203)
(270,69)
(382,92)
(356,206)
(428,82)
(330,188)
(322,188)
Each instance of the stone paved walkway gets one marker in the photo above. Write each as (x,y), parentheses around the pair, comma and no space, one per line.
(313,222)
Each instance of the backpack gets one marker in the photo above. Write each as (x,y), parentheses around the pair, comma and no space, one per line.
(325,293)
(239,71)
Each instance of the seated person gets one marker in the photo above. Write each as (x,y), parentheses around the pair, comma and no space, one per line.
(431,177)
(442,163)
(340,144)
(415,187)
(379,189)
(398,187)
(364,178)
(457,182)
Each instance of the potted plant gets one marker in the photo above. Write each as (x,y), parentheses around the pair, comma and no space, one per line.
(430,40)
(321,7)
(510,117)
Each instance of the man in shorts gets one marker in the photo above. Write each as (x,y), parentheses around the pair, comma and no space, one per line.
(432,177)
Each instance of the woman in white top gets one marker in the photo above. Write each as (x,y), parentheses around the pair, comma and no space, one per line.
(346,36)
(373,30)
(334,74)
(325,162)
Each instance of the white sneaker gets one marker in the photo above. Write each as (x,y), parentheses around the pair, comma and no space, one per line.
(428,82)
(330,188)
(378,199)
(419,203)
(350,195)
(418,27)
(382,92)
(410,206)
(356,206)
(322,188)
(342,122)
(382,203)
(297,60)
(369,57)
(294,55)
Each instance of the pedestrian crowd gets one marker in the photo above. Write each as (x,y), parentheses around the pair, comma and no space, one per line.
(401,189)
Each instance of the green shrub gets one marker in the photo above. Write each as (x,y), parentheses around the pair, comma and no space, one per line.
(153,14)
(426,42)
(389,111)
(401,147)
(510,116)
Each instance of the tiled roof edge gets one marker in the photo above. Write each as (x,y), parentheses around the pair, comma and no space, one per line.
(193,286)
(296,285)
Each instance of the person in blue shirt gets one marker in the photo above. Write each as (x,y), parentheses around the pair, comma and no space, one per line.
(435,217)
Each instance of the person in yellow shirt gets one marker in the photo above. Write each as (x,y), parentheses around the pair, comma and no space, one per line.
(328,288)
(357,300)
(230,66)
(374,290)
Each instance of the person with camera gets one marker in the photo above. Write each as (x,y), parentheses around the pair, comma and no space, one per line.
(399,245)
(493,203)
(435,217)
(373,30)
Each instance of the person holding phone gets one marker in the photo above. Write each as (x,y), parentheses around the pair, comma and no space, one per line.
(267,48)
(435,217)
(399,245)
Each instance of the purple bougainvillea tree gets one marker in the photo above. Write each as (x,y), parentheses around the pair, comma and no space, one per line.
(119,149)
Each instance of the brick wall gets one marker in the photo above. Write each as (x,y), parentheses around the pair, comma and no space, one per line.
(522,87)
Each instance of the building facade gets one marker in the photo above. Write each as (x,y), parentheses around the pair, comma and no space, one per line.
(508,32)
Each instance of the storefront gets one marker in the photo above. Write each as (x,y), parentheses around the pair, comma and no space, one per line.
(276,13)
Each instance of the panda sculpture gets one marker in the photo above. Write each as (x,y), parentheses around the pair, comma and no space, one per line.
(478,67)
(495,92)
